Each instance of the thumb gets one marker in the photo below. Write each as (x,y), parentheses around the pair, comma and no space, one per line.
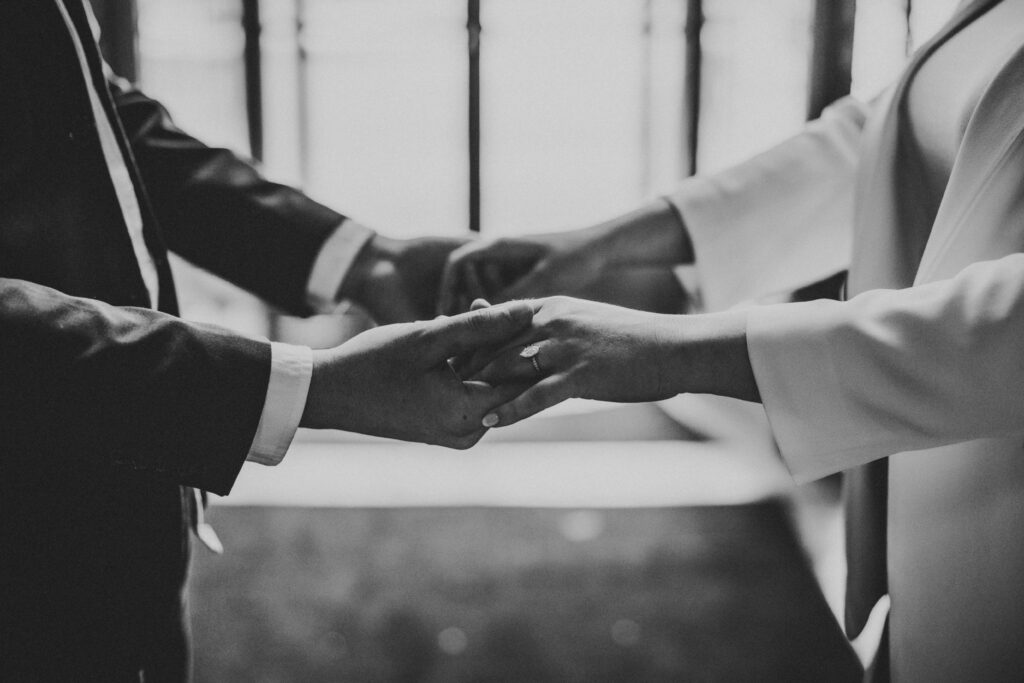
(449,288)
(453,277)
(483,327)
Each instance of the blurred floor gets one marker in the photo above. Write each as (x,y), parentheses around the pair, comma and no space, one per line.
(632,550)
(719,593)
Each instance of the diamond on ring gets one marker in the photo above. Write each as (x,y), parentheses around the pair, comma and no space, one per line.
(531,352)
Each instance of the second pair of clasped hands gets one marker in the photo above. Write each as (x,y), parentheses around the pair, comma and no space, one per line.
(448,379)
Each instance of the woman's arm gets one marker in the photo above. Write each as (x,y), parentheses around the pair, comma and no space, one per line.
(770,225)
(843,383)
(627,260)
(781,220)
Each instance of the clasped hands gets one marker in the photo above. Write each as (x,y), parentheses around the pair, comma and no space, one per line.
(447,380)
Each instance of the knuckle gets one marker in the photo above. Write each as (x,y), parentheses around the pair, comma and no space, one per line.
(458,261)
(559,329)
(481,319)
(423,334)
(504,315)
(553,393)
(474,320)
(509,415)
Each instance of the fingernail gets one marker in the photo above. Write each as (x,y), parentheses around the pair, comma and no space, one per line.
(490,419)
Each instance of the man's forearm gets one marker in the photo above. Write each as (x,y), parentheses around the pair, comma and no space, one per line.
(121,382)
(217,211)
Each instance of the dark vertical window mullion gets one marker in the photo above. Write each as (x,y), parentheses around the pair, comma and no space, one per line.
(252,57)
(692,82)
(908,13)
(831,54)
(473,30)
(646,87)
(302,89)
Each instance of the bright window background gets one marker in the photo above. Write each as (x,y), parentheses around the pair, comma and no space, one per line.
(582,109)
(756,65)
(386,112)
(582,106)
(564,111)
(882,39)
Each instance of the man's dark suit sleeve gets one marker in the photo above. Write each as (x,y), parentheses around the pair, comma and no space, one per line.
(218,212)
(146,390)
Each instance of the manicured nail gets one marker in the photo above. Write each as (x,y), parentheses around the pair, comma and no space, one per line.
(490,419)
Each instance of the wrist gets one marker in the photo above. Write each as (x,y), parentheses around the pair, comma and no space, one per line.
(673,355)
(311,417)
(716,358)
(378,254)
(676,224)
(650,235)
(323,403)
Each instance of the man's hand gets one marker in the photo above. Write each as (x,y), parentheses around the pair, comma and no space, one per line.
(397,280)
(516,268)
(395,381)
(626,261)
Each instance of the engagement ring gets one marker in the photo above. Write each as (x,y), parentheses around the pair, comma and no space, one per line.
(531,352)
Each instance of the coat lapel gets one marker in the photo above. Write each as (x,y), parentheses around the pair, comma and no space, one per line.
(888,244)
(995,131)
(889,237)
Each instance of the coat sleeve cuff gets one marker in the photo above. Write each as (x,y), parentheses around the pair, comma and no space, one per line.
(793,363)
(780,220)
(291,368)
(333,262)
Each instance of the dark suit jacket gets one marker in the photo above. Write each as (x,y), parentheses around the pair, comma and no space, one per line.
(107,409)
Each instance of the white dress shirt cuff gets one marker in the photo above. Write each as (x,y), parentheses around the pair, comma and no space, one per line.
(333,262)
(291,368)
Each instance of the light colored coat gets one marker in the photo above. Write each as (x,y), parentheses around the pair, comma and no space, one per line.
(930,375)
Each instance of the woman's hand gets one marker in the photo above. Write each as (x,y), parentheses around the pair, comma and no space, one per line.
(583,349)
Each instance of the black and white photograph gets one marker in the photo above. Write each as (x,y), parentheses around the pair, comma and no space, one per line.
(511,341)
